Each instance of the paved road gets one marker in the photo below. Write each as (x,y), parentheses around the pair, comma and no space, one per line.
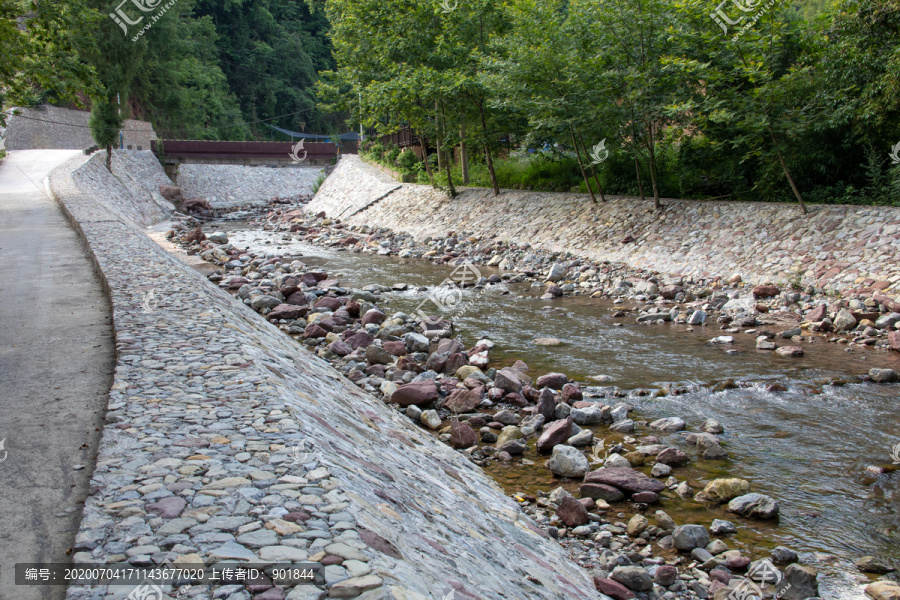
(56,359)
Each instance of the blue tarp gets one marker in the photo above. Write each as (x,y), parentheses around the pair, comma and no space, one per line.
(347,137)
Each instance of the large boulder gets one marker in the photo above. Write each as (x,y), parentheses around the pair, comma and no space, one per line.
(844,320)
(554,434)
(688,537)
(633,577)
(884,375)
(572,512)
(508,380)
(417,392)
(589,415)
(568,461)
(669,424)
(884,590)
(754,506)
(799,583)
(462,435)
(626,479)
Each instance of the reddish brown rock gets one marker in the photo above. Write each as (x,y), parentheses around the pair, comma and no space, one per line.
(297,298)
(738,563)
(547,404)
(555,433)
(462,436)
(646,497)
(670,291)
(613,589)
(395,348)
(170,192)
(417,392)
(572,512)
(888,303)
(454,362)
(359,340)
(327,303)
(625,479)
(551,380)
(894,340)
(463,401)
(340,347)
(672,457)
(314,331)
(288,312)
(571,393)
(601,491)
(766,291)
(373,316)
(817,314)
(352,308)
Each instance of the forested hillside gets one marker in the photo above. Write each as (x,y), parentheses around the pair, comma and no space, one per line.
(775,100)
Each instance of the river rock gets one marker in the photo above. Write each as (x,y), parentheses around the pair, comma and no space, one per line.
(571,393)
(633,577)
(844,320)
(625,479)
(462,435)
(712,426)
(600,491)
(624,426)
(754,506)
(871,564)
(567,461)
(884,375)
(660,470)
(798,583)
(547,405)
(430,419)
(668,424)
(508,380)
(416,342)
(672,457)
(665,575)
(585,437)
(463,401)
(793,351)
(637,525)
(616,460)
(723,490)
(551,380)
(698,317)
(894,340)
(784,556)
(766,291)
(378,356)
(288,312)
(554,434)
(359,340)
(722,527)
(589,415)
(613,589)
(510,432)
(688,537)
(572,512)
(884,590)
(710,449)
(327,303)
(373,316)
(314,331)
(417,392)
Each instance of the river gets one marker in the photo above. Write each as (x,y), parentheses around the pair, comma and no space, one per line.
(807,446)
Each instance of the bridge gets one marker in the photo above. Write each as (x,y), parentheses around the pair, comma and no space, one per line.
(176,152)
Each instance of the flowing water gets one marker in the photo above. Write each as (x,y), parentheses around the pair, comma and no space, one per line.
(808,446)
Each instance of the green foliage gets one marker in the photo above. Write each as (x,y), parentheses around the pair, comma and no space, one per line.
(407,161)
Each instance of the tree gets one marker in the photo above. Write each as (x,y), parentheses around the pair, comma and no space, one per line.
(106,120)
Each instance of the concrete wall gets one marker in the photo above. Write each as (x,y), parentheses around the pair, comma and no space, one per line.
(842,247)
(192,422)
(231,185)
(65,129)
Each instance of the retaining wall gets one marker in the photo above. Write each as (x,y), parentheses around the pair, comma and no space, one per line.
(845,248)
(58,128)
(196,461)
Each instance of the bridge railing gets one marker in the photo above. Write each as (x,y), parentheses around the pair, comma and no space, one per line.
(179,151)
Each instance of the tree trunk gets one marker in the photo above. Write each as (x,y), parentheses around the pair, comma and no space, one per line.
(463,153)
(652,152)
(449,179)
(439,113)
(593,170)
(637,168)
(581,166)
(423,144)
(787,173)
(109,150)
(487,151)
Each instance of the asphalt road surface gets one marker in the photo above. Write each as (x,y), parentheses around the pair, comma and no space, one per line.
(57,354)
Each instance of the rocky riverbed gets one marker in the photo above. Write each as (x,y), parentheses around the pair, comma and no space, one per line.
(494,414)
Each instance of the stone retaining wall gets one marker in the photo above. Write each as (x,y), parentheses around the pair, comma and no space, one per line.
(66,129)
(844,248)
(231,185)
(196,460)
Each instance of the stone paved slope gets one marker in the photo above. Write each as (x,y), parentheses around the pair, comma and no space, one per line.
(196,462)
(841,247)
(228,185)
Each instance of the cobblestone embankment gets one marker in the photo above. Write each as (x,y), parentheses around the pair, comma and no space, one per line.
(197,460)
(844,248)
(230,185)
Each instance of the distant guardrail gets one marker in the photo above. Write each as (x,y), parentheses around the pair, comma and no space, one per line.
(173,152)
